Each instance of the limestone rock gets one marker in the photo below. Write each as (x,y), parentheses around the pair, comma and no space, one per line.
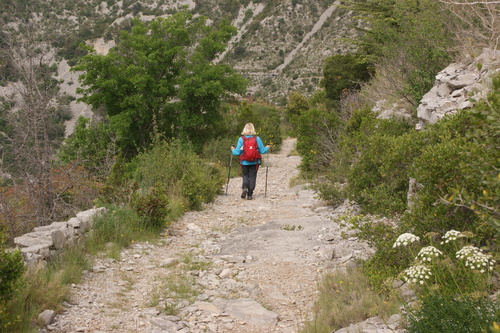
(47,317)
(456,84)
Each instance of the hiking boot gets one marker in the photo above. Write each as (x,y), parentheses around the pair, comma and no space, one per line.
(249,197)
(244,193)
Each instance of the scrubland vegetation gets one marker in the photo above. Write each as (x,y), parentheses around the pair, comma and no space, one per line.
(159,146)
(348,153)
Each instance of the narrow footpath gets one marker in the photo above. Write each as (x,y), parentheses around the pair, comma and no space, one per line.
(238,265)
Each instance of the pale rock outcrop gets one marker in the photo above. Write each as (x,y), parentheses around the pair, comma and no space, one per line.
(458,85)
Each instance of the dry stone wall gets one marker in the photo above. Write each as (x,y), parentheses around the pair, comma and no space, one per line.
(47,241)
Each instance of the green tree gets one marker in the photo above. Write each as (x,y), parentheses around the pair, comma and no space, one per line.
(343,71)
(163,74)
(297,104)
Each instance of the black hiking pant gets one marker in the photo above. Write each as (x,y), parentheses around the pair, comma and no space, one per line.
(249,173)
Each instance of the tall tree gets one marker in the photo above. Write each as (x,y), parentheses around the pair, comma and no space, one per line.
(342,72)
(162,74)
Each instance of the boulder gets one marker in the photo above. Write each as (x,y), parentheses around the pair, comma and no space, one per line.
(457,84)
(47,317)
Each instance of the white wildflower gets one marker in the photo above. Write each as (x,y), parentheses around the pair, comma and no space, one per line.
(451,235)
(417,274)
(405,239)
(467,251)
(428,253)
(479,261)
(475,259)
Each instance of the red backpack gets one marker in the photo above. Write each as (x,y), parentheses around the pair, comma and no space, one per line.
(250,149)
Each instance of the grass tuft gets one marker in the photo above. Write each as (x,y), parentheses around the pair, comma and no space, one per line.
(346,297)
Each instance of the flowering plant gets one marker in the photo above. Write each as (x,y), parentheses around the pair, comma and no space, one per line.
(428,253)
(434,265)
(475,259)
(451,235)
(405,239)
(417,274)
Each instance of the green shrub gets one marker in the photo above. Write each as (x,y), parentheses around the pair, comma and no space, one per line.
(296,105)
(218,151)
(180,171)
(464,314)
(11,270)
(201,183)
(153,206)
(316,135)
(383,151)
(437,170)
(479,163)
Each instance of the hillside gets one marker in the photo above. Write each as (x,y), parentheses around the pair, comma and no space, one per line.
(280,46)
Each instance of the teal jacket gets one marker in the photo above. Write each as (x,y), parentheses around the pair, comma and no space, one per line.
(239,150)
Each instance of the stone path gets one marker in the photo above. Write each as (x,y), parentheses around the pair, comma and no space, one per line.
(237,266)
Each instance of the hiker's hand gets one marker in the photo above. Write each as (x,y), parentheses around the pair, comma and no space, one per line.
(232,147)
(268,146)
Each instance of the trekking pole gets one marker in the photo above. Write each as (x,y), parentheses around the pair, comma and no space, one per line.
(229,172)
(267,169)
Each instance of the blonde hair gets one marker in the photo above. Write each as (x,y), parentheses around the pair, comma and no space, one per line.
(248,130)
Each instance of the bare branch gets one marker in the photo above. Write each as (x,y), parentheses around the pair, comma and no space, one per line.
(477,22)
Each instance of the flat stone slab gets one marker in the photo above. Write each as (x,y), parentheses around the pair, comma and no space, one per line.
(34,238)
(248,310)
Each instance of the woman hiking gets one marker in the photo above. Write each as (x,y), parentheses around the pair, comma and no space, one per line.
(249,148)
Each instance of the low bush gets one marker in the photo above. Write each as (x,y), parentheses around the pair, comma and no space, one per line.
(317,132)
(218,151)
(180,172)
(201,184)
(11,270)
(153,206)
(436,313)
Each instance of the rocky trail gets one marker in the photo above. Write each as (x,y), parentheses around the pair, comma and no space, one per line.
(236,266)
